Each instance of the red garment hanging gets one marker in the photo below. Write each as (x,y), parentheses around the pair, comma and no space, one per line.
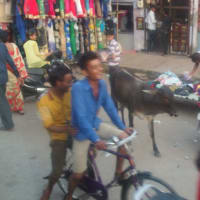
(92,9)
(51,12)
(83,8)
(73,8)
(31,9)
(67,8)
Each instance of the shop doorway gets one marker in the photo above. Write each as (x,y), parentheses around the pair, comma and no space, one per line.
(179,12)
(125,24)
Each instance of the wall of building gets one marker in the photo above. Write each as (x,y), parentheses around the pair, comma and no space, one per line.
(5,11)
(139,36)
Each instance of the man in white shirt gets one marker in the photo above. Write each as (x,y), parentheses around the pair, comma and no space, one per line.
(151,27)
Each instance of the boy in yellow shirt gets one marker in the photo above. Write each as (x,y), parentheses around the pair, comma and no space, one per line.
(34,58)
(55,110)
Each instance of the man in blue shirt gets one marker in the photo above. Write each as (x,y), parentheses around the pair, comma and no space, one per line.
(5,112)
(88,95)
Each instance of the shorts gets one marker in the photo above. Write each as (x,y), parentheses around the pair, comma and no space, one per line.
(58,155)
(80,148)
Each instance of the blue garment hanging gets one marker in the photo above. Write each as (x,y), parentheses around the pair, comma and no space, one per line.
(20,23)
(104,4)
(68,44)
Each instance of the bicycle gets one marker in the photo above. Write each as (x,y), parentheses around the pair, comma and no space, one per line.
(137,186)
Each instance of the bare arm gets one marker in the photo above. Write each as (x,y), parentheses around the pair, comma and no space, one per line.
(61,129)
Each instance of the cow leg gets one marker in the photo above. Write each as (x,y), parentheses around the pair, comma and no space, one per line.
(130,117)
(151,129)
(122,113)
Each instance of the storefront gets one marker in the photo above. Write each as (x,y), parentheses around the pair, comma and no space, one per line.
(183,15)
(74,27)
(5,14)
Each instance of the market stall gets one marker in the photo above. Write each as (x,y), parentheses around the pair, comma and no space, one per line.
(73,26)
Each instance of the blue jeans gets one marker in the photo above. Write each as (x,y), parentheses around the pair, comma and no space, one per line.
(5,112)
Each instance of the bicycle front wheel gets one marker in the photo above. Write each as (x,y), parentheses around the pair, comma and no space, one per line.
(145,187)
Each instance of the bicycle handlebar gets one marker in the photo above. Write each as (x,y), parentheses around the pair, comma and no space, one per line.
(128,139)
(123,141)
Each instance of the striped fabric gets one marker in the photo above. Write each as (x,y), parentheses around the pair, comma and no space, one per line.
(115,49)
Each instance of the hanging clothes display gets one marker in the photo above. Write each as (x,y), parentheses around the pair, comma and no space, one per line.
(72,37)
(31,9)
(41,8)
(104,6)
(77,37)
(99,34)
(62,9)
(80,8)
(98,8)
(86,36)
(50,32)
(41,35)
(56,33)
(46,7)
(92,8)
(67,8)
(68,44)
(57,8)
(73,13)
(74,26)
(51,12)
(87,6)
(92,36)
(62,38)
(19,21)
(81,43)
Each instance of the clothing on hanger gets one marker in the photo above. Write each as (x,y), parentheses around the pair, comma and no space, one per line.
(62,38)
(31,9)
(72,37)
(50,33)
(68,44)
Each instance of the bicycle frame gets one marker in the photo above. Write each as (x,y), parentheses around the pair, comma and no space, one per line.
(95,187)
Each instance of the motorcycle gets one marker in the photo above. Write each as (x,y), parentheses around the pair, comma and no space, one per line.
(35,84)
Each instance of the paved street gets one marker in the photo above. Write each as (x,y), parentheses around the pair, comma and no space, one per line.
(24,155)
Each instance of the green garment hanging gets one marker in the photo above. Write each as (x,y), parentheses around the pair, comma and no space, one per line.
(62,8)
(41,8)
(72,37)
(99,34)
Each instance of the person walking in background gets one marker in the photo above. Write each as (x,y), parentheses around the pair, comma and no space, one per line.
(5,112)
(34,58)
(151,28)
(115,50)
(55,112)
(165,33)
(13,90)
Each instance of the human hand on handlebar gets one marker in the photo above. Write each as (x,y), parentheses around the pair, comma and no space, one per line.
(127,132)
(100,145)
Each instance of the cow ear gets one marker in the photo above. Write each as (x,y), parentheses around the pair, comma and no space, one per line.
(149,91)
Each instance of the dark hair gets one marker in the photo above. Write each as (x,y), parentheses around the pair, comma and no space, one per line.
(3,36)
(87,57)
(56,72)
(31,32)
(152,6)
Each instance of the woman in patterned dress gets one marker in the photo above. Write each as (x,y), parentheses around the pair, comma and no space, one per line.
(13,91)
